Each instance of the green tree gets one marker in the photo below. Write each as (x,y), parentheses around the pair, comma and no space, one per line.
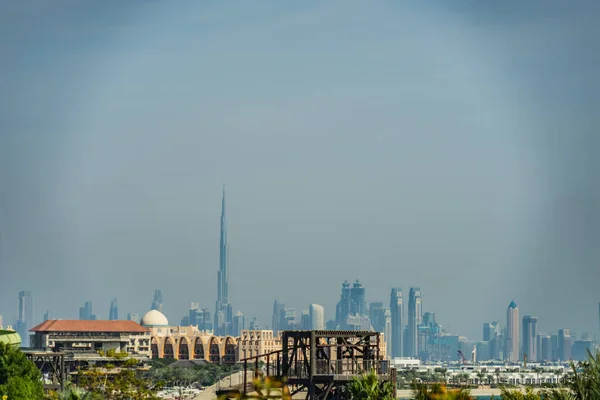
(19,378)
(439,392)
(369,387)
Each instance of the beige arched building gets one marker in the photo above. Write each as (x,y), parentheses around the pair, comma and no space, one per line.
(187,342)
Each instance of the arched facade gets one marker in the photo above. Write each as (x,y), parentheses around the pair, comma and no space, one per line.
(184,344)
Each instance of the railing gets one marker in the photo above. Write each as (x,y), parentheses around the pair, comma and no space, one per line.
(346,367)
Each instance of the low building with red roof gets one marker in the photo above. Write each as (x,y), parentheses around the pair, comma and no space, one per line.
(86,339)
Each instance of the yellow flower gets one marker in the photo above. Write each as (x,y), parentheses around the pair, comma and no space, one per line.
(5,397)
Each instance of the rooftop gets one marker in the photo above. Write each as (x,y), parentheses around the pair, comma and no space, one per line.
(65,325)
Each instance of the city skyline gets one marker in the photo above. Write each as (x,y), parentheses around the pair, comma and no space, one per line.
(432,151)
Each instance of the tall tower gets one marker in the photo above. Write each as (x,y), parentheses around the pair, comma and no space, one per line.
(317,317)
(157,301)
(414,320)
(113,313)
(397,322)
(223,312)
(530,337)
(512,332)
(25,320)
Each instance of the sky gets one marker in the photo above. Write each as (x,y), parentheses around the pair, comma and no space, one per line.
(445,145)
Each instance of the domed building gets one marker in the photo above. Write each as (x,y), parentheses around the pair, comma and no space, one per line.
(10,337)
(154,318)
(187,342)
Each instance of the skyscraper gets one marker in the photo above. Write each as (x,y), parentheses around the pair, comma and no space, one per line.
(387,329)
(254,324)
(397,322)
(157,301)
(343,308)
(564,344)
(305,320)
(275,323)
(512,332)
(223,311)
(414,320)
(238,324)
(46,316)
(358,301)
(25,319)
(317,317)
(1,322)
(132,316)
(375,315)
(530,337)
(113,313)
(85,312)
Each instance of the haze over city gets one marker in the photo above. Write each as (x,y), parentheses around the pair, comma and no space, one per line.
(449,147)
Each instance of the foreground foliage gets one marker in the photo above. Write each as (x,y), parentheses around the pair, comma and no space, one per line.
(19,378)
(582,384)
(439,391)
(369,387)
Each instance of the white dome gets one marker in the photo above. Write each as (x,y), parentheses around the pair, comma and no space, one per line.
(154,318)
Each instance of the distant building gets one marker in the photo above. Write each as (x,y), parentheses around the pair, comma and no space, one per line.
(414,320)
(580,348)
(358,301)
(342,309)
(83,339)
(275,322)
(545,349)
(85,312)
(157,301)
(512,332)
(287,319)
(564,344)
(317,317)
(25,318)
(305,320)
(239,324)
(46,315)
(254,324)
(530,337)
(113,313)
(223,318)
(396,342)
(375,315)
(387,330)
(1,322)
(133,316)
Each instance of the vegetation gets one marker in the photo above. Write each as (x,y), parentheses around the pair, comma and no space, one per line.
(582,384)
(19,378)
(267,388)
(439,391)
(201,375)
(369,387)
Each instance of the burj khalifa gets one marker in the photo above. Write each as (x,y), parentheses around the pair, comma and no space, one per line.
(223,312)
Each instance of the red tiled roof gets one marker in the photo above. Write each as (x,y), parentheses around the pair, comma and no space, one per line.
(65,325)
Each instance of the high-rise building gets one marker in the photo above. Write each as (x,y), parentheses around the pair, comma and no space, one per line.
(254,325)
(287,319)
(277,307)
(85,312)
(545,349)
(25,318)
(343,308)
(1,322)
(375,316)
(223,310)
(157,301)
(512,332)
(414,320)
(564,344)
(46,316)
(317,317)
(305,320)
(358,300)
(238,323)
(113,313)
(491,330)
(397,322)
(387,329)
(530,337)
(133,316)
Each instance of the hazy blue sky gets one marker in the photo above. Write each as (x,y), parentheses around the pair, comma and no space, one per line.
(447,145)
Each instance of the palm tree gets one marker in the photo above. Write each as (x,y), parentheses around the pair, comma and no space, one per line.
(368,387)
(439,392)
